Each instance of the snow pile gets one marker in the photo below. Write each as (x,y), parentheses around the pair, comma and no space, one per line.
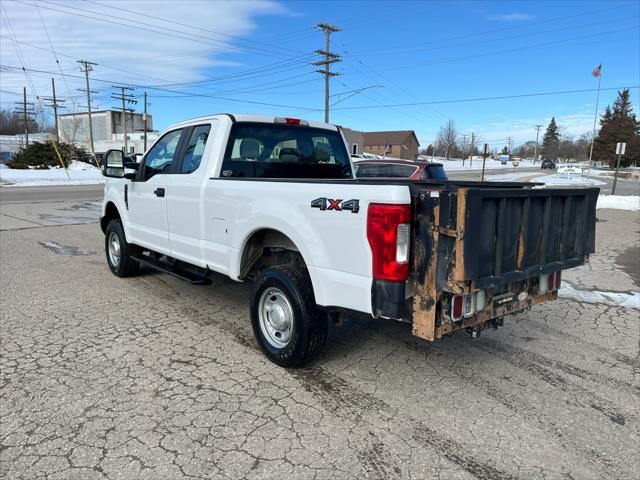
(616,299)
(78,174)
(554,180)
(83,166)
(456,164)
(619,202)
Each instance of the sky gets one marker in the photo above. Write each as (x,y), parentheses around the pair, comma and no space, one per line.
(405,65)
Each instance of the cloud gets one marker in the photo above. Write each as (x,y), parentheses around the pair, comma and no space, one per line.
(128,47)
(511,17)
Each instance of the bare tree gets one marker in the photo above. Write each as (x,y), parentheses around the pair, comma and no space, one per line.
(448,137)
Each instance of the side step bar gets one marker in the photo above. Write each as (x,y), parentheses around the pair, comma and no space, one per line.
(197,277)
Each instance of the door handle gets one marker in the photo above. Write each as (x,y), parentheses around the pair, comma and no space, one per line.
(159,192)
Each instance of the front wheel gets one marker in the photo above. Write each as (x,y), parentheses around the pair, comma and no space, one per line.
(287,324)
(118,251)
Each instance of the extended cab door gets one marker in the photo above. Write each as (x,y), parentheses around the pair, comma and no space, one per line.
(148,225)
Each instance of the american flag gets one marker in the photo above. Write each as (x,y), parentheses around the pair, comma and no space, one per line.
(596,72)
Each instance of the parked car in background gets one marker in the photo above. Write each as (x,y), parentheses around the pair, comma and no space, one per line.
(408,169)
(515,161)
(548,164)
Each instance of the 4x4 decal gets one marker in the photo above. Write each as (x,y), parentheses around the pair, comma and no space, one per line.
(338,205)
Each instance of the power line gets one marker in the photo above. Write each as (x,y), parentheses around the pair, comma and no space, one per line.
(482,99)
(18,51)
(175,22)
(510,50)
(438,44)
(194,94)
(265,70)
(55,55)
(329,59)
(139,26)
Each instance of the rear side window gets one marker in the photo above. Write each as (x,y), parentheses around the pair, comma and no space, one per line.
(264,150)
(195,149)
(386,170)
(435,172)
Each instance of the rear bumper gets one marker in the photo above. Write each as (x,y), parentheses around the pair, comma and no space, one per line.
(388,299)
(493,311)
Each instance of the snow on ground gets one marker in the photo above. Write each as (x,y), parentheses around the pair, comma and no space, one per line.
(509,177)
(616,299)
(555,180)
(619,202)
(78,173)
(453,165)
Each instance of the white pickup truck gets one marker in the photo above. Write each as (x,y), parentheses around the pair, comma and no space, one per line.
(274,201)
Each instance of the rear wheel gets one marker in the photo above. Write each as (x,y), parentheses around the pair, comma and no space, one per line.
(118,251)
(287,324)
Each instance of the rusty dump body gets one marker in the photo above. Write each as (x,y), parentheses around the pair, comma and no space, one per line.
(498,237)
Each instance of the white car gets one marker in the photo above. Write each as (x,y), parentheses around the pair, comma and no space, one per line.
(274,201)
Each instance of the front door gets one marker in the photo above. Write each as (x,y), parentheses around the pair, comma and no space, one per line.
(148,225)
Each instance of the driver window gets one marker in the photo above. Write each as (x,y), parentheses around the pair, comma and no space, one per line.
(160,157)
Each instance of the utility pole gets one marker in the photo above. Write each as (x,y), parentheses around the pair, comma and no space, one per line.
(484,159)
(86,68)
(126,98)
(24,108)
(473,145)
(464,144)
(535,149)
(53,103)
(509,143)
(145,121)
(329,58)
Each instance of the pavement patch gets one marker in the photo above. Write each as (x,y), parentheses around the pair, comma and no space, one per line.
(66,250)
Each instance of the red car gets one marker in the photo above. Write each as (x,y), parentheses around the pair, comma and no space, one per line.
(395,168)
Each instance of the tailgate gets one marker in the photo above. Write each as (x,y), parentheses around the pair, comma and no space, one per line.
(496,239)
(506,235)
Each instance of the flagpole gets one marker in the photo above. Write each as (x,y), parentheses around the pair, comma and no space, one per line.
(595,118)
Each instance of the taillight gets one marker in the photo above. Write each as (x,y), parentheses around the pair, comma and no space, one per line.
(457,303)
(388,232)
(481,300)
(550,282)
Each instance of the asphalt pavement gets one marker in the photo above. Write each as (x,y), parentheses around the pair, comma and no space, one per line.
(153,378)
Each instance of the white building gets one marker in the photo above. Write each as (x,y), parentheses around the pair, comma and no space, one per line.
(108,130)
(11,144)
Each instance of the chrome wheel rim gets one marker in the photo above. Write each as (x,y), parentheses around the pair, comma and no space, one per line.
(276,317)
(114,249)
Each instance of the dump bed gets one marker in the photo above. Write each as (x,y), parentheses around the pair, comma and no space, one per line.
(498,238)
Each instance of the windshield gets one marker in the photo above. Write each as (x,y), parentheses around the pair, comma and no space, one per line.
(265,150)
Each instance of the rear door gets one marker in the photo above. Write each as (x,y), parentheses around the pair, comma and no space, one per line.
(148,225)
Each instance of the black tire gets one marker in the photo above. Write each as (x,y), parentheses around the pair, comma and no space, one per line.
(126,266)
(308,331)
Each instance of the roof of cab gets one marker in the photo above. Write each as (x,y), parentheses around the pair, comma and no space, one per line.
(243,117)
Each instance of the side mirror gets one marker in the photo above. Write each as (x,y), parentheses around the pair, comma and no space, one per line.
(113,164)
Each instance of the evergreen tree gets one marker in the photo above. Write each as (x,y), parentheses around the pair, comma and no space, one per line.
(618,124)
(551,141)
